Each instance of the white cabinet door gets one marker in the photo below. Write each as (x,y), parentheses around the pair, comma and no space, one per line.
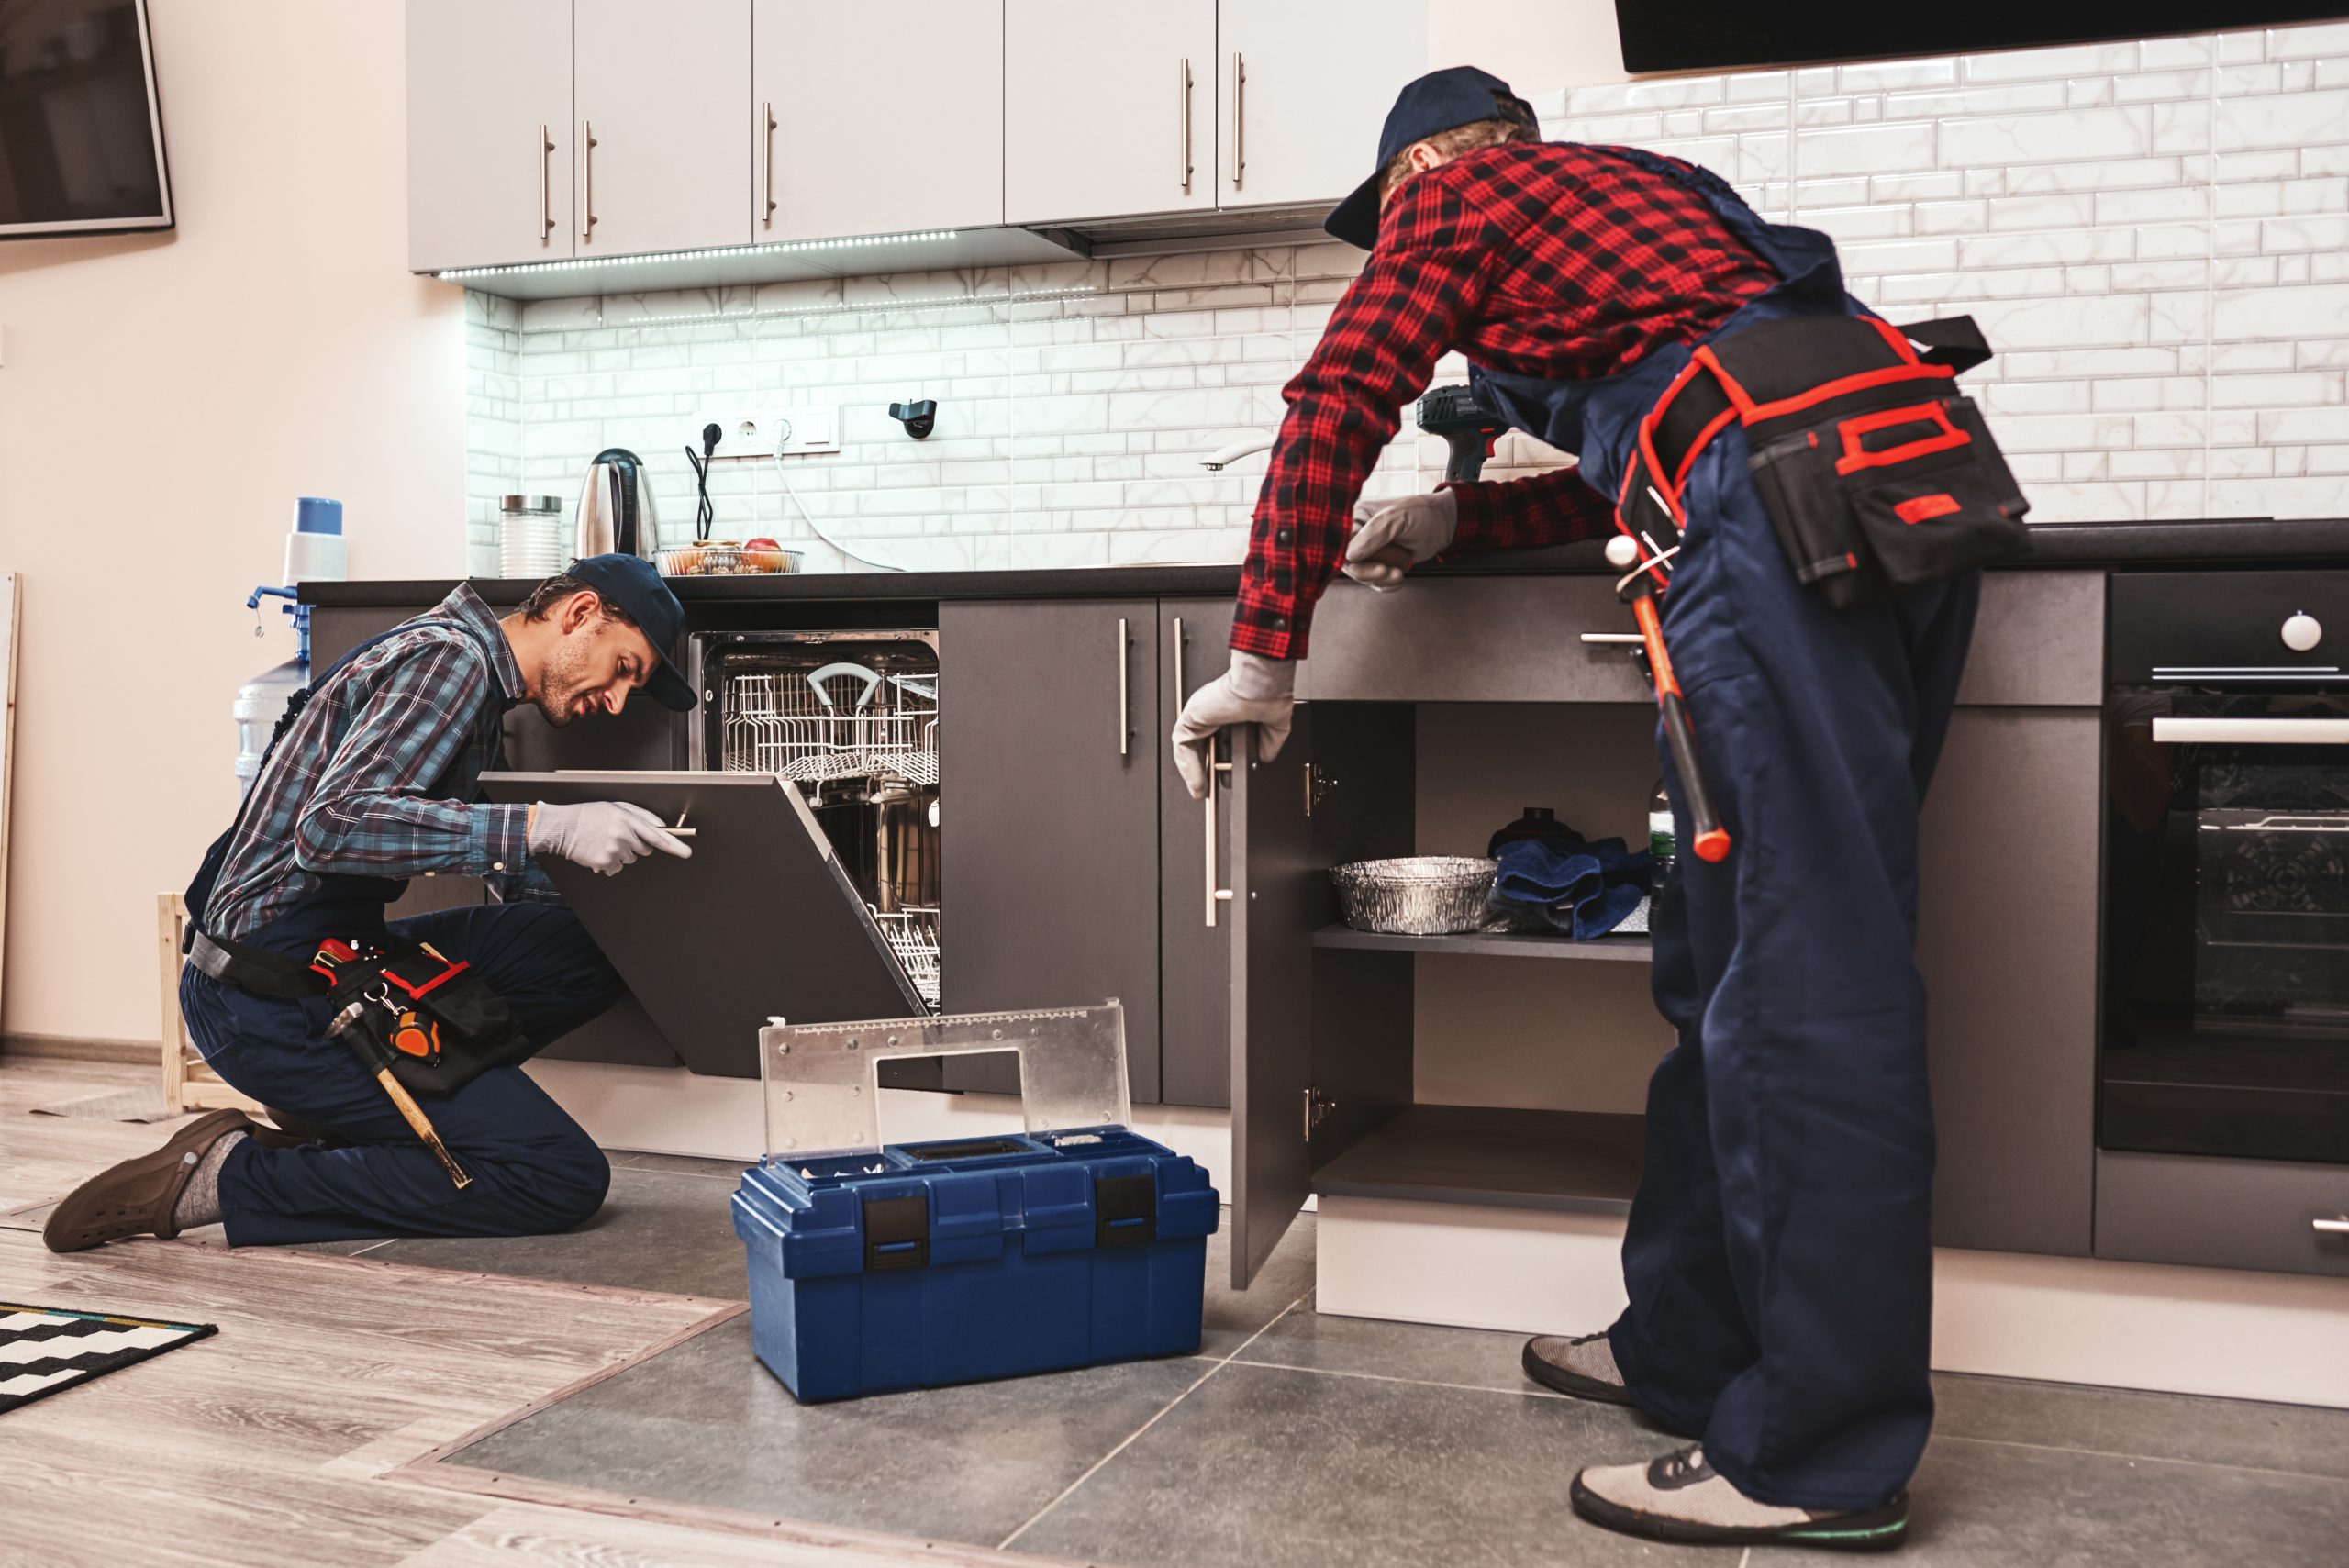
(662,92)
(875,119)
(1303,87)
(1110,107)
(484,186)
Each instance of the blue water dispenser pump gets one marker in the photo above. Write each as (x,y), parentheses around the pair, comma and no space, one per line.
(293,606)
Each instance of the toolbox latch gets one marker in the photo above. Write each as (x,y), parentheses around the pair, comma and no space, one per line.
(1125,1210)
(896,1233)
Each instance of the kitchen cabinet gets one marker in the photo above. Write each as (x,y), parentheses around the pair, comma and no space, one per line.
(1108,110)
(1304,88)
(660,96)
(490,133)
(875,119)
(1195,925)
(1049,742)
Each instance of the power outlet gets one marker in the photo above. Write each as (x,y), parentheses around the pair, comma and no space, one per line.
(766,432)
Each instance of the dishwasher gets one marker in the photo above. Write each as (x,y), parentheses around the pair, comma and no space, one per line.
(849,719)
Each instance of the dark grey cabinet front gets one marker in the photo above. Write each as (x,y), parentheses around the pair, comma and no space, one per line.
(1049,757)
(1193,925)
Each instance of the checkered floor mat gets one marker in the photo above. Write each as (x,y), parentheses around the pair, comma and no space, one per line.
(44,1349)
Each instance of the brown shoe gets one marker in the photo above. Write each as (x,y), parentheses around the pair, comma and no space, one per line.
(137,1197)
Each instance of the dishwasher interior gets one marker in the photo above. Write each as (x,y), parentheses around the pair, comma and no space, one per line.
(850,718)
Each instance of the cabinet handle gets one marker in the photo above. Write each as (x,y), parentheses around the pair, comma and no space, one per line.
(1125,701)
(1183,158)
(1239,118)
(586,183)
(1217,897)
(766,165)
(543,152)
(2332,1227)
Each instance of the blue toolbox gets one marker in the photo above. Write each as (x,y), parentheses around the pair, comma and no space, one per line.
(876,1267)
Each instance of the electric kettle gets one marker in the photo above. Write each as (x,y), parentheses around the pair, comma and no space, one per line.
(616,512)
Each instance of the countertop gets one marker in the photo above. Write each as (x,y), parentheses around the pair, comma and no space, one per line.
(2204,542)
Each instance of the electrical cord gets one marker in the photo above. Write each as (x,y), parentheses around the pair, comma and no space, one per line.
(784,474)
(703,513)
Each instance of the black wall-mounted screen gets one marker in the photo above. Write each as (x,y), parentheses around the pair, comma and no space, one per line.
(81,136)
(1714,35)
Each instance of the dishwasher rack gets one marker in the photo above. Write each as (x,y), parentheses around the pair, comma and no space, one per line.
(820,727)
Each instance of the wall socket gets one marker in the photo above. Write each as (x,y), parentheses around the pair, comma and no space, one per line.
(766,432)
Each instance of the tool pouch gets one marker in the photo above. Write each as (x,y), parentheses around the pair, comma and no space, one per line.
(1877,475)
(436,1023)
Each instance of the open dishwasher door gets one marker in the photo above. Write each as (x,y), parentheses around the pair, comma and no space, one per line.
(760,923)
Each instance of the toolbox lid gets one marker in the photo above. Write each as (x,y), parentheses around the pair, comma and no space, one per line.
(760,921)
(930,1205)
(823,1080)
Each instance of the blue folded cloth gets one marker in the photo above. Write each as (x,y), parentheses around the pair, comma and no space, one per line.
(1584,889)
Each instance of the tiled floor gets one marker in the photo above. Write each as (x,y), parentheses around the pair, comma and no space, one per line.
(1295,1439)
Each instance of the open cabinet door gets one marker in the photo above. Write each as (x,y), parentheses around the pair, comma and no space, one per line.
(1278,894)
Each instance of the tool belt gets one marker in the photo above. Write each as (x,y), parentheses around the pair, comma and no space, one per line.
(399,1004)
(1877,474)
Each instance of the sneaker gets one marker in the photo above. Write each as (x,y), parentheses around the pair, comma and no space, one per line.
(1583,1366)
(1680,1498)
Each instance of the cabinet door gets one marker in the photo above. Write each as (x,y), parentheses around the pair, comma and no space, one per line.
(664,93)
(1109,107)
(484,186)
(1285,135)
(2012,981)
(833,162)
(1195,929)
(1048,818)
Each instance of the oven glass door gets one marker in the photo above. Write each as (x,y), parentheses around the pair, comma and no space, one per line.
(2226,940)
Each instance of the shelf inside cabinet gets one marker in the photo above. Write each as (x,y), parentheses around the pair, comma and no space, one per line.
(1585,1161)
(1635,949)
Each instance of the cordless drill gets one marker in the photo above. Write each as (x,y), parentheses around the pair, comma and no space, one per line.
(1453,413)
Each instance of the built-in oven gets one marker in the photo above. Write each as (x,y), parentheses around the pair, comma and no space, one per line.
(2225,953)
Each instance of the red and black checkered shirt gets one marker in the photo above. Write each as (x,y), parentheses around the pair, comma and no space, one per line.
(1546,259)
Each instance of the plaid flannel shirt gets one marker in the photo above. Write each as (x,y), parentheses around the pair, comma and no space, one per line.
(1546,259)
(378,776)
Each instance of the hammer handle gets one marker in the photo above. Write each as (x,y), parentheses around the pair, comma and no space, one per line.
(421,1125)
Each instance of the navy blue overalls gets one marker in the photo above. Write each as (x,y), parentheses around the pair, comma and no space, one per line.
(1779,1254)
(534,1170)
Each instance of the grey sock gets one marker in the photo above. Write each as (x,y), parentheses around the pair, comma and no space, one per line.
(200,1199)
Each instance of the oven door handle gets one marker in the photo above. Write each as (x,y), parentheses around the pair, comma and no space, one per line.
(2254,731)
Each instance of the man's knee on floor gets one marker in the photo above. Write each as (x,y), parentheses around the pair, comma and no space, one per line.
(557,1185)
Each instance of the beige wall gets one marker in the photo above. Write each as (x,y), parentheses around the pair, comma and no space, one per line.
(163,401)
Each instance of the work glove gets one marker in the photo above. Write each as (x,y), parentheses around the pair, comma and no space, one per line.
(1390,538)
(602,835)
(1255,690)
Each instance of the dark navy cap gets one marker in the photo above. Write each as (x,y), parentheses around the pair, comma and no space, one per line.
(1440,101)
(630,585)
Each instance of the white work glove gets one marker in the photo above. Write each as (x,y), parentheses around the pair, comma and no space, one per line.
(602,835)
(1390,538)
(1255,690)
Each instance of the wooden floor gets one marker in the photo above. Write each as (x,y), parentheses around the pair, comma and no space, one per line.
(276,1441)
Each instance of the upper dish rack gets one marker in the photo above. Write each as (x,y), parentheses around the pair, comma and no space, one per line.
(838,722)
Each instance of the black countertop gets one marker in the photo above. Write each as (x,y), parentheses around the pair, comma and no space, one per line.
(2204,543)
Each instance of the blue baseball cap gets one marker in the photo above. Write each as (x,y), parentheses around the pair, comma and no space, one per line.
(629,584)
(1440,101)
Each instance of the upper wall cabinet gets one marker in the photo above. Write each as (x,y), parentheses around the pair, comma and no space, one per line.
(1304,88)
(1109,108)
(1130,108)
(489,133)
(660,99)
(877,119)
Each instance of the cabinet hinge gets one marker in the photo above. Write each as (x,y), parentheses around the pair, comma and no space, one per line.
(1318,1107)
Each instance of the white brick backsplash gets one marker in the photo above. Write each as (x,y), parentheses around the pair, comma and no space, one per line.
(2154,235)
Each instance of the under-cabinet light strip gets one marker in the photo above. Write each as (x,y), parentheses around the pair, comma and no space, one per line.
(937,302)
(781,248)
